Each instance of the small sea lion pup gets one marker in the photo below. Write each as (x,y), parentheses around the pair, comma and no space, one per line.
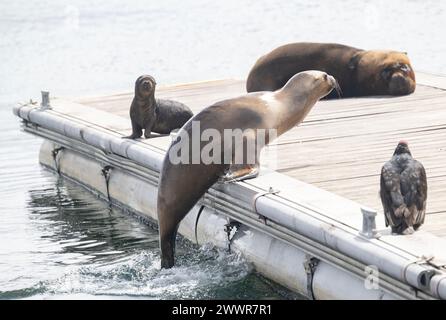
(358,72)
(261,115)
(157,115)
(403,191)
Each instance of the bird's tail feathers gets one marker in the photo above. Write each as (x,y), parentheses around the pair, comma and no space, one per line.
(401,211)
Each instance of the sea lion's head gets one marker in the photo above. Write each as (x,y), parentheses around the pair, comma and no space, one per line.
(312,84)
(145,86)
(383,73)
(299,95)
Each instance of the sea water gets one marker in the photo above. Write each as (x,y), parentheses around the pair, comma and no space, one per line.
(57,240)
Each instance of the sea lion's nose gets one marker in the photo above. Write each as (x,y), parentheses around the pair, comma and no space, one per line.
(400,84)
(399,80)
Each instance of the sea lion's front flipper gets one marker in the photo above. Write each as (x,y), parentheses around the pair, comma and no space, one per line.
(136,130)
(241,172)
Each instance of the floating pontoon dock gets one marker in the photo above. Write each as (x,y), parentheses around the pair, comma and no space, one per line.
(305,224)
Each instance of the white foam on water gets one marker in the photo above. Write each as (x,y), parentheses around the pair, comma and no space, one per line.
(140,275)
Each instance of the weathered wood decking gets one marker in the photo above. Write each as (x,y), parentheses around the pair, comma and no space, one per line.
(342,144)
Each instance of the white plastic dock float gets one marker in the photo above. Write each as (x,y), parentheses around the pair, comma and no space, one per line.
(302,237)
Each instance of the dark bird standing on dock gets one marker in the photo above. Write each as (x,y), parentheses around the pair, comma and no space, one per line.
(403,191)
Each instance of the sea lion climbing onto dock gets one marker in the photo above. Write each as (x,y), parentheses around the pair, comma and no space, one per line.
(358,72)
(154,115)
(183,183)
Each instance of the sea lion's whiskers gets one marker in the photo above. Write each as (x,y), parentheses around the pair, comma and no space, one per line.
(337,87)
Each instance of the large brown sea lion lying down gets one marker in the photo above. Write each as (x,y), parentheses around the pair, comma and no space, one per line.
(359,72)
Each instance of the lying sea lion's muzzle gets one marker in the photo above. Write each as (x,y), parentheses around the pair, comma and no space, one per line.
(401,84)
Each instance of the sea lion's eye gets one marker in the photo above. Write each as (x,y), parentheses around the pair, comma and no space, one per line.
(405,68)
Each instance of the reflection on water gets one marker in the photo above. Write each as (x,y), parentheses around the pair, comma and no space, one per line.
(82,225)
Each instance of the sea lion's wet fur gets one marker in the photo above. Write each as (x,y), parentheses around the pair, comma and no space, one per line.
(154,115)
(358,72)
(182,185)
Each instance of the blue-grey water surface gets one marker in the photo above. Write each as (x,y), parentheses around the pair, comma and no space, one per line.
(56,239)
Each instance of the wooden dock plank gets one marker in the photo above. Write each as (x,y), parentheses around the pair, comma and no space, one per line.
(190,94)
(343,143)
